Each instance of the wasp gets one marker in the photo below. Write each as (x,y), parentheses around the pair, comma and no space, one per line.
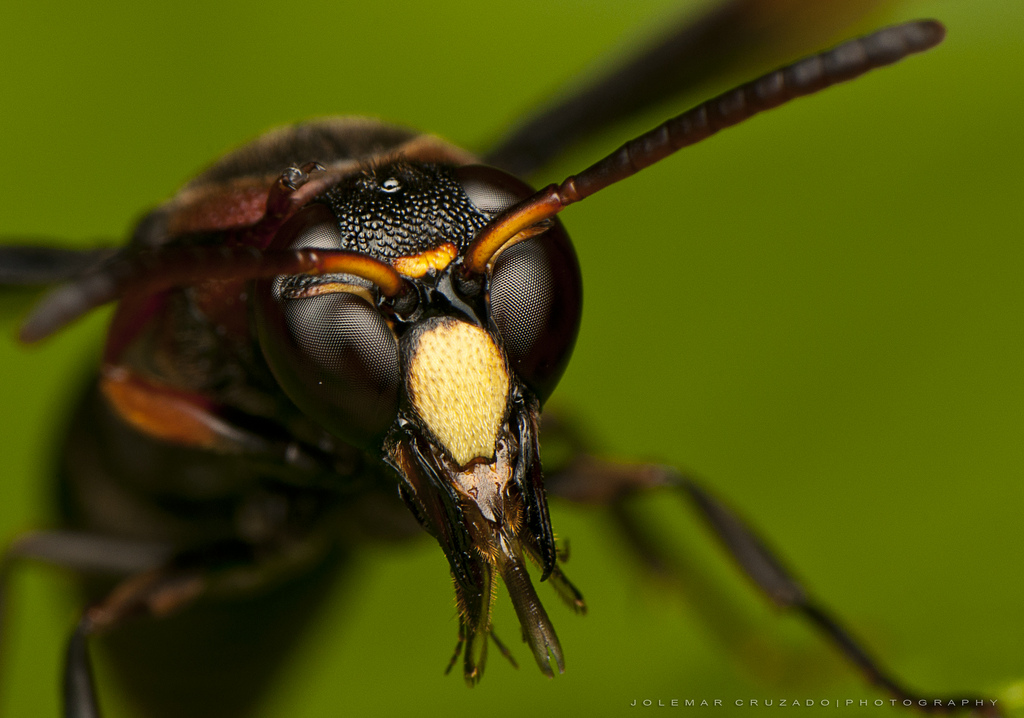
(226,561)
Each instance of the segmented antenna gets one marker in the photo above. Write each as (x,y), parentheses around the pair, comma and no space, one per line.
(804,77)
(150,271)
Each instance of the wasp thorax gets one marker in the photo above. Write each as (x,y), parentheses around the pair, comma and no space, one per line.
(458,385)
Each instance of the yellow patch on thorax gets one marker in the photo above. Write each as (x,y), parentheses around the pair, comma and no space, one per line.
(459,385)
(416,265)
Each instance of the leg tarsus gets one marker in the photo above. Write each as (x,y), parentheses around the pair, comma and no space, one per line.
(458,649)
(590,480)
(765,569)
(79,551)
(79,686)
(752,554)
(565,589)
(503,649)
(156,592)
(88,552)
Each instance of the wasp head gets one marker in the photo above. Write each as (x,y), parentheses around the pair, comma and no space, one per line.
(445,382)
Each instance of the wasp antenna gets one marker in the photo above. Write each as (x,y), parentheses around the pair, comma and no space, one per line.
(804,77)
(800,79)
(148,272)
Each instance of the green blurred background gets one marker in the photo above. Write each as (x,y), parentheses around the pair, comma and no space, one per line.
(819,312)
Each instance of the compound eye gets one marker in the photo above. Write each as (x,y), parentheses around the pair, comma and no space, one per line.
(490,190)
(329,348)
(336,359)
(536,297)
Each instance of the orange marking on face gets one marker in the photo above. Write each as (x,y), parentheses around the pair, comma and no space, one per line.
(315,290)
(416,265)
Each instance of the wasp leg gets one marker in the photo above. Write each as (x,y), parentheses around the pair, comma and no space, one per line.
(156,593)
(282,199)
(87,553)
(26,270)
(78,551)
(28,266)
(586,479)
(79,689)
(159,582)
(208,577)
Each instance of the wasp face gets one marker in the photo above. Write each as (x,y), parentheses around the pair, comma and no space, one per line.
(445,383)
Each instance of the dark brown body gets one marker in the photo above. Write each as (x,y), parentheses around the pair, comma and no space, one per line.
(234,498)
(118,481)
(216,658)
